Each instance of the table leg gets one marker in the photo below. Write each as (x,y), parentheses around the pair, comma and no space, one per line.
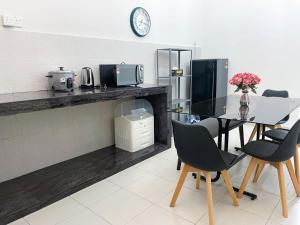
(258,131)
(220,135)
(241,130)
(178,164)
(242,140)
(263,131)
(249,194)
(226,131)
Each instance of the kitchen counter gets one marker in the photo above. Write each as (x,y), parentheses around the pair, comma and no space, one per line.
(30,192)
(22,102)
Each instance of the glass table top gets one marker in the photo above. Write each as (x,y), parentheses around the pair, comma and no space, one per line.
(262,110)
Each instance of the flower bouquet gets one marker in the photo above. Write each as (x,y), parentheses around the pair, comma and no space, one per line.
(244,82)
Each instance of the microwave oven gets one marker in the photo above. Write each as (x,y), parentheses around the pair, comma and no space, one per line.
(114,75)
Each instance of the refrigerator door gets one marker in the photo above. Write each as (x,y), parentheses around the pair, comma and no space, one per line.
(203,80)
(221,78)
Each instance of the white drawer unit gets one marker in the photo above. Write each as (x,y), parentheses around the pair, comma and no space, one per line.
(134,131)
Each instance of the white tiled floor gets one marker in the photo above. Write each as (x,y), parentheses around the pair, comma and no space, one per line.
(141,195)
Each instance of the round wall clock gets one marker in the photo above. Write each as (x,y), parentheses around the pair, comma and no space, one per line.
(140,21)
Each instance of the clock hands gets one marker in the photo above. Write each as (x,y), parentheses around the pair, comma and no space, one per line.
(142,22)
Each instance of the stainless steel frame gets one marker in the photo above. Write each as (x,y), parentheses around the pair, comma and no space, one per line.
(178,100)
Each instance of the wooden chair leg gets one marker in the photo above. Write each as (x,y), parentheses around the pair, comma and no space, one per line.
(209,199)
(271,126)
(181,180)
(296,163)
(290,168)
(229,187)
(198,175)
(260,167)
(282,190)
(253,133)
(246,178)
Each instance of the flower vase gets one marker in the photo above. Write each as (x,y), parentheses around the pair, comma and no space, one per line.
(245,100)
(244,110)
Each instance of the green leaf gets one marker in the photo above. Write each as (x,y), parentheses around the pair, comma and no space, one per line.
(238,89)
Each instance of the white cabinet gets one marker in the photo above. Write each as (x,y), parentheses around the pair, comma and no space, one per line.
(134,125)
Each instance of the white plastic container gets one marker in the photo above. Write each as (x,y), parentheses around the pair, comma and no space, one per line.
(134,125)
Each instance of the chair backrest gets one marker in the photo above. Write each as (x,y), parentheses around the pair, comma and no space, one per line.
(286,150)
(275,93)
(196,147)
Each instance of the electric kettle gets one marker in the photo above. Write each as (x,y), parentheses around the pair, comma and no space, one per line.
(87,78)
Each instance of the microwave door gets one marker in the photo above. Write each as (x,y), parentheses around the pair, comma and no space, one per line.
(127,75)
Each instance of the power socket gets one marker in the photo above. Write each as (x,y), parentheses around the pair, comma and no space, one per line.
(12,21)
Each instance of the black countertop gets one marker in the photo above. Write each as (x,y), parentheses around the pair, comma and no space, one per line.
(14,103)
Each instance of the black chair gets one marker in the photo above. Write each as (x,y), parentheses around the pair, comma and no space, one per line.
(279,135)
(275,154)
(198,151)
(212,125)
(272,93)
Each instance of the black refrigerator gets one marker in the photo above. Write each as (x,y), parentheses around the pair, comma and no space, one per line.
(209,79)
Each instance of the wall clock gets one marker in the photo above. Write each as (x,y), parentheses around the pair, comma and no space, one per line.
(140,21)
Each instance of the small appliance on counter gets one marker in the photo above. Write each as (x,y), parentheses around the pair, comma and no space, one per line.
(114,75)
(134,125)
(87,78)
(61,80)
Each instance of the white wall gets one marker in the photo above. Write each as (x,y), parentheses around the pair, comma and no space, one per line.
(76,34)
(173,21)
(259,36)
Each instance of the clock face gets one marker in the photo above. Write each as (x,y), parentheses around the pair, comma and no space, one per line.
(140,21)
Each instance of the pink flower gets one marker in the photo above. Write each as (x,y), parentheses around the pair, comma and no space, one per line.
(245,81)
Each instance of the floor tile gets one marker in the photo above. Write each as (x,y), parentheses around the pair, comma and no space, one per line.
(55,213)
(190,205)
(263,206)
(272,223)
(165,169)
(153,164)
(95,192)
(229,215)
(127,177)
(294,215)
(151,187)
(120,207)
(19,222)
(170,154)
(85,217)
(158,216)
(291,193)
(268,182)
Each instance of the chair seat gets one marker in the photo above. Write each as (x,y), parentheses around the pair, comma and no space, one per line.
(282,121)
(228,157)
(276,134)
(260,149)
(212,125)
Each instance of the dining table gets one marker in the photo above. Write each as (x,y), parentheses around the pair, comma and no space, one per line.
(262,111)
